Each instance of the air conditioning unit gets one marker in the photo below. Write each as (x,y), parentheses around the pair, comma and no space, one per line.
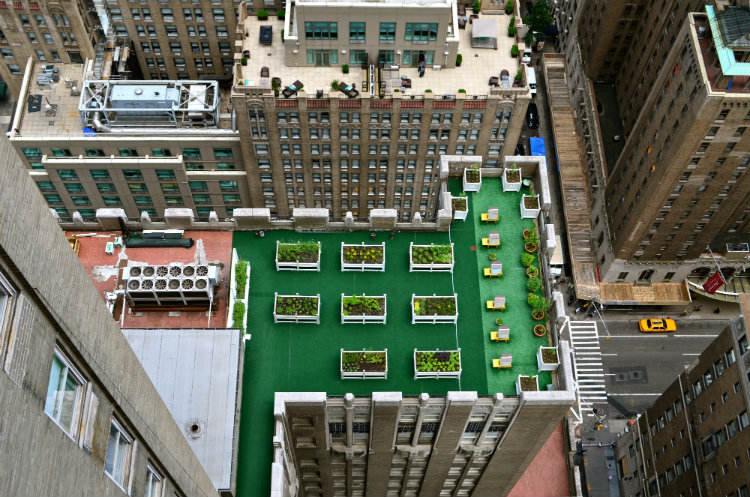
(213,275)
(134,284)
(162,271)
(175,270)
(160,285)
(131,272)
(201,270)
(149,271)
(188,271)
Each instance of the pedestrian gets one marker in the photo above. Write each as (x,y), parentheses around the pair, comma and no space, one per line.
(717,310)
(421,68)
(600,445)
(578,309)
(612,444)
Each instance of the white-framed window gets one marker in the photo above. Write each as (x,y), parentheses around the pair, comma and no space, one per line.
(119,455)
(64,394)
(153,482)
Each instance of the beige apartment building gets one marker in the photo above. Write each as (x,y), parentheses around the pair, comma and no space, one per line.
(267,146)
(148,39)
(680,183)
(695,438)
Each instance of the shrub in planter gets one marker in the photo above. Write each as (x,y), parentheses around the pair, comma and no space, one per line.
(518,75)
(493,256)
(540,330)
(428,91)
(458,203)
(281,14)
(238,316)
(282,36)
(244,61)
(531,271)
(345,68)
(527,259)
(459,59)
(335,85)
(461,90)
(240,277)
(514,51)
(530,247)
(477,6)
(533,284)
(509,7)
(512,27)
(499,321)
(531,235)
(537,314)
(472,175)
(262,15)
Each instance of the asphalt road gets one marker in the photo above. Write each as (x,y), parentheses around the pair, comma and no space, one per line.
(640,366)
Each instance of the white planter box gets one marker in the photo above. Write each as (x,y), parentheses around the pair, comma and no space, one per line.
(362,266)
(362,318)
(472,187)
(296,318)
(529,213)
(433,318)
(296,266)
(547,366)
(437,374)
(507,185)
(460,215)
(233,296)
(432,266)
(518,383)
(363,375)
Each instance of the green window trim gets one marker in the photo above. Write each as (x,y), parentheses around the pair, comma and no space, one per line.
(100,174)
(223,153)
(191,152)
(321,30)
(165,174)
(31,152)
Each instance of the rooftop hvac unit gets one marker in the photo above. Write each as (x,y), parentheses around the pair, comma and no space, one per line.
(213,275)
(188,271)
(162,271)
(201,283)
(187,284)
(147,284)
(201,270)
(134,284)
(149,271)
(160,285)
(174,284)
(131,272)
(175,270)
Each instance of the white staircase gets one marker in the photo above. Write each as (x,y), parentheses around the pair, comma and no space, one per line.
(588,370)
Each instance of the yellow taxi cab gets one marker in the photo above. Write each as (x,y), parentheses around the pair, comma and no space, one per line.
(657,325)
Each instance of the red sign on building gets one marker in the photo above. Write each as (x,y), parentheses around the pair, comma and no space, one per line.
(713,283)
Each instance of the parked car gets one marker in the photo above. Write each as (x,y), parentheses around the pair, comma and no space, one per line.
(526,58)
(520,150)
(266,35)
(532,117)
(657,325)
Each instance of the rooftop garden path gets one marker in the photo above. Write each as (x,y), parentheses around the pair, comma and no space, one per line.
(523,345)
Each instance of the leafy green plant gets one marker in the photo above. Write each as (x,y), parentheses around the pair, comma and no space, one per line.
(531,235)
(281,14)
(429,306)
(538,20)
(514,51)
(238,316)
(428,91)
(363,305)
(353,362)
(262,15)
(533,300)
(302,306)
(299,252)
(345,68)
(282,36)
(369,254)
(527,259)
(459,59)
(432,254)
(512,26)
(472,175)
(243,61)
(240,277)
(335,85)
(461,90)
(519,75)
(477,6)
(533,284)
(509,7)
(499,321)
(438,361)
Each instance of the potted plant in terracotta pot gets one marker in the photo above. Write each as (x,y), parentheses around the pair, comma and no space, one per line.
(540,330)
(493,256)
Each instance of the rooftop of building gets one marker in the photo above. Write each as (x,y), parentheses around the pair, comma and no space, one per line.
(52,109)
(211,247)
(305,357)
(197,372)
(479,64)
(722,69)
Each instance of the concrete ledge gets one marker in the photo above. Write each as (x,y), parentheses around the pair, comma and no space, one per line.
(387,398)
(467,398)
(309,218)
(253,219)
(383,219)
(109,219)
(179,217)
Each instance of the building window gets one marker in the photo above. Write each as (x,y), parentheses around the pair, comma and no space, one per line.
(64,393)
(387,32)
(119,452)
(321,30)
(153,481)
(356,32)
(421,31)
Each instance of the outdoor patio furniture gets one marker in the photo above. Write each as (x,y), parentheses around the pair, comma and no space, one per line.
(405,82)
(491,216)
(462,23)
(494,271)
(349,90)
(497,304)
(502,334)
(292,89)
(494,81)
(461,9)
(472,17)
(493,240)
(264,72)
(505,362)
(318,93)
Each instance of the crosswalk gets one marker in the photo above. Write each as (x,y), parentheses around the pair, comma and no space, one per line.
(589,372)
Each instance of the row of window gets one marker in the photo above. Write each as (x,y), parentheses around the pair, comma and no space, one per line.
(385,117)
(176,47)
(195,153)
(167,14)
(354,149)
(222,32)
(195,186)
(415,32)
(141,200)
(72,405)
(89,215)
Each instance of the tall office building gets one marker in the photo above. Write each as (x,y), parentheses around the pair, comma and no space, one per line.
(695,438)
(80,415)
(682,87)
(272,144)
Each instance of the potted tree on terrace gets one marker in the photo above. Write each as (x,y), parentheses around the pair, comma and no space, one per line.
(472,178)
(512,179)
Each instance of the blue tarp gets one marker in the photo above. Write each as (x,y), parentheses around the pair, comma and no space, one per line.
(537,146)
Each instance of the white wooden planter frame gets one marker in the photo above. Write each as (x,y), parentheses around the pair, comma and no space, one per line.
(363,375)
(547,366)
(414,266)
(530,213)
(437,374)
(296,318)
(518,383)
(472,187)
(296,266)
(434,318)
(460,215)
(511,186)
(362,266)
(364,318)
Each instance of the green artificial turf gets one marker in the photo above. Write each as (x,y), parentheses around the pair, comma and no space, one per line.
(305,357)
